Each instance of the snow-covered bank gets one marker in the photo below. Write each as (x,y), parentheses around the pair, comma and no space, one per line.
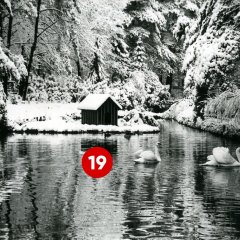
(61,118)
(182,111)
(222,114)
(221,117)
(220,127)
(62,126)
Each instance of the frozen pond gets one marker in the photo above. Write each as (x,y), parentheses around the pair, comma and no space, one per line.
(44,193)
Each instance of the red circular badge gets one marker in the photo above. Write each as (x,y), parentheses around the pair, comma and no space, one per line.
(97,162)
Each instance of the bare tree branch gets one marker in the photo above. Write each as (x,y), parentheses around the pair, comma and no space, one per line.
(51,9)
(46,29)
(22,43)
(39,54)
(33,48)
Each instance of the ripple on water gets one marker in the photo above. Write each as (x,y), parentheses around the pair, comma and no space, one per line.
(45,194)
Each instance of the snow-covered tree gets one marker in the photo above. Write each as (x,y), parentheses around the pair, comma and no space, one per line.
(97,73)
(93,22)
(212,54)
(162,27)
(139,55)
(11,68)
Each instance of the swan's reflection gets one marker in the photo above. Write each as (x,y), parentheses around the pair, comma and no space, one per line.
(175,199)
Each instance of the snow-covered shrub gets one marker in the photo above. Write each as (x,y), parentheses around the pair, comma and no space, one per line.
(100,87)
(135,117)
(141,90)
(56,89)
(132,93)
(76,89)
(182,111)
(7,66)
(157,96)
(148,119)
(11,66)
(15,99)
(134,88)
(182,26)
(226,106)
(124,96)
(19,63)
(159,100)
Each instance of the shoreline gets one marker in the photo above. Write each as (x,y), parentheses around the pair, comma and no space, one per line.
(183,113)
(213,126)
(58,120)
(34,132)
(66,118)
(61,126)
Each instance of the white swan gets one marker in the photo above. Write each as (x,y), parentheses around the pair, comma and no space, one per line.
(222,157)
(148,157)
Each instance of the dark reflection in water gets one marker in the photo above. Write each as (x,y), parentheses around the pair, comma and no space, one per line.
(44,194)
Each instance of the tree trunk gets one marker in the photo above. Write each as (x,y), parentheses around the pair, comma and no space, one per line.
(78,61)
(9,35)
(169,81)
(79,68)
(59,5)
(33,48)
(97,62)
(97,67)
(200,102)
(1,27)
(5,84)
(75,44)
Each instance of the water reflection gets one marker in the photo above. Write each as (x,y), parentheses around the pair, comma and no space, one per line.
(44,194)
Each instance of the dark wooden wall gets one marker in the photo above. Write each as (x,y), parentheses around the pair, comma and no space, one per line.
(107,114)
(89,117)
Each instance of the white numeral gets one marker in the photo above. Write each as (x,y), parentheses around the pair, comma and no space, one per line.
(100,160)
(92,159)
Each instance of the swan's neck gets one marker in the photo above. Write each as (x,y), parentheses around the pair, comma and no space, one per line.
(238,154)
(157,154)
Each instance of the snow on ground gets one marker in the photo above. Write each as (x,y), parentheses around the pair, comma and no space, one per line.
(21,113)
(58,117)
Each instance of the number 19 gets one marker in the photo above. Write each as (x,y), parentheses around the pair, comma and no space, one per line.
(100,160)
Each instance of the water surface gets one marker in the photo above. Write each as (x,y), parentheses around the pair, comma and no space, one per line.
(44,193)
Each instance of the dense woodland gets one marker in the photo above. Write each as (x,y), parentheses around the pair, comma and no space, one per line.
(144,52)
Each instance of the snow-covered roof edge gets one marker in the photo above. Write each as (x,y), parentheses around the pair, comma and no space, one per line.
(95,101)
